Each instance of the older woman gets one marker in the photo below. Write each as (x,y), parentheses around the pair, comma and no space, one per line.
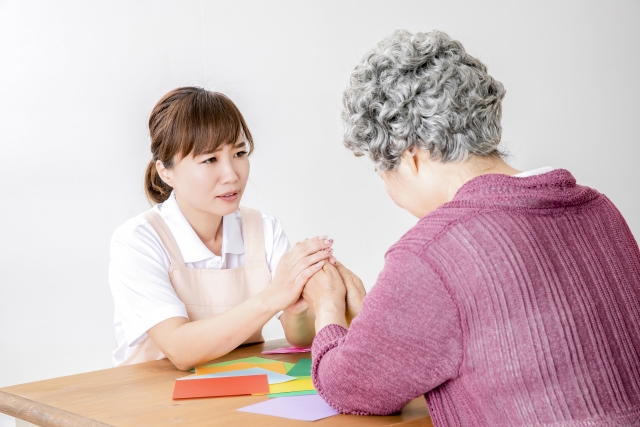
(515,299)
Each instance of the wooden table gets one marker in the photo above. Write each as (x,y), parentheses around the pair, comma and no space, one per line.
(140,395)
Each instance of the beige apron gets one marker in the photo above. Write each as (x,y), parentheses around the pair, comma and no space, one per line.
(208,292)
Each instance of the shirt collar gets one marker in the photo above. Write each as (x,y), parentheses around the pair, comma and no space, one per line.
(190,245)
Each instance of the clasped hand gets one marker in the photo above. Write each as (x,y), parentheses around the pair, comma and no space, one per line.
(304,279)
(334,294)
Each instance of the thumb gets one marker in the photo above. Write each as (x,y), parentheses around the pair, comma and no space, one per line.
(343,271)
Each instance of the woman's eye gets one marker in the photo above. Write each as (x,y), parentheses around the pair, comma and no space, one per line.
(210,160)
(241,153)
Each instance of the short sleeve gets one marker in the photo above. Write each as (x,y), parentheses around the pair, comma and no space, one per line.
(139,281)
(276,242)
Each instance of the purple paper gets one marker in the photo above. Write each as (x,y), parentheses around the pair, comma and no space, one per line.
(287,350)
(306,408)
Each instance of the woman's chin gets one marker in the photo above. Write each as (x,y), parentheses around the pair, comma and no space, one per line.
(226,207)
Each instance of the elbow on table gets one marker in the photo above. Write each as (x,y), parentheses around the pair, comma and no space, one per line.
(181,363)
(354,399)
(297,342)
(181,359)
(364,406)
(182,366)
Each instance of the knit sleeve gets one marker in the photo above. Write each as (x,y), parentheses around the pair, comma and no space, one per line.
(406,341)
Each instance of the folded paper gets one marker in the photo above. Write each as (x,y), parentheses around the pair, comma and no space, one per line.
(294,393)
(301,369)
(304,408)
(288,350)
(213,387)
(301,384)
(272,377)
(209,369)
(252,359)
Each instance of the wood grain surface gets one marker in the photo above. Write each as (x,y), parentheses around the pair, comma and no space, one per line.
(140,395)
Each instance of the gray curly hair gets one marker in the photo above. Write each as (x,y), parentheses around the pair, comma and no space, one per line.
(422,91)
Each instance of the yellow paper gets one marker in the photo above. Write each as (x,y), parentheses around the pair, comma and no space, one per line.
(294,385)
(275,367)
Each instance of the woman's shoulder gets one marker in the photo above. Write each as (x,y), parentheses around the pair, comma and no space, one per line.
(427,230)
(135,231)
(269,222)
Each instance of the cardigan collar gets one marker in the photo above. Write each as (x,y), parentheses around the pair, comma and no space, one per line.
(555,189)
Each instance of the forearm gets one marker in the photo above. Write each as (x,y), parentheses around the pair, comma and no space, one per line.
(299,329)
(192,343)
(406,341)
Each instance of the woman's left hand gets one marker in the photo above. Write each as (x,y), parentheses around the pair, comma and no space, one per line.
(325,293)
(297,308)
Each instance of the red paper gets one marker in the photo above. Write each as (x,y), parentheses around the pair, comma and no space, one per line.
(227,386)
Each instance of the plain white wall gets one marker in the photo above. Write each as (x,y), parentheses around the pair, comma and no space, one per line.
(78,80)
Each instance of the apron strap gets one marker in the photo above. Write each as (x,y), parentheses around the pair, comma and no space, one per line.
(253,236)
(169,242)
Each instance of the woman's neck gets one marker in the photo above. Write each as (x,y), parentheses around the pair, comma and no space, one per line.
(207,226)
(459,174)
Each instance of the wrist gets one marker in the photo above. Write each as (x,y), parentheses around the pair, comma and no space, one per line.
(330,314)
(267,302)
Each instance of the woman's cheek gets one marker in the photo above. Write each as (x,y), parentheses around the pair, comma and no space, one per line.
(392,191)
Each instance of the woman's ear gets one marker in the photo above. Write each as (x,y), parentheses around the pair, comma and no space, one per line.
(411,160)
(164,173)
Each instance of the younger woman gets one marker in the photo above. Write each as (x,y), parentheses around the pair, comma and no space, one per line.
(196,276)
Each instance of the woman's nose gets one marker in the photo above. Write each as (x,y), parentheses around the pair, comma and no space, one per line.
(229,174)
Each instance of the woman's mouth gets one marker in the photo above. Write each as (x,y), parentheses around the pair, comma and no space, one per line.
(229,197)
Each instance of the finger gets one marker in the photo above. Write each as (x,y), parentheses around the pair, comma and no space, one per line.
(307,248)
(344,272)
(319,242)
(333,272)
(342,269)
(304,276)
(312,259)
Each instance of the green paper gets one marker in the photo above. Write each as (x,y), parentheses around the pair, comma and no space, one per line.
(288,365)
(252,359)
(294,393)
(301,369)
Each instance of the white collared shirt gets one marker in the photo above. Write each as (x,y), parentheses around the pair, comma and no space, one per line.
(139,268)
(534,172)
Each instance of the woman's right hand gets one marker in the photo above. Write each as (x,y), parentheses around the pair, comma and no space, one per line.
(355,291)
(294,270)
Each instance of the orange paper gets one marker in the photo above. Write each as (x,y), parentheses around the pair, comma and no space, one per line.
(275,367)
(227,386)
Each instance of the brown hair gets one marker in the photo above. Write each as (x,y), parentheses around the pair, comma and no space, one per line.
(189,120)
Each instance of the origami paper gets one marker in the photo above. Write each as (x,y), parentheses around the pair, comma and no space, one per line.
(275,367)
(301,384)
(305,408)
(252,359)
(301,369)
(272,377)
(293,393)
(288,350)
(211,387)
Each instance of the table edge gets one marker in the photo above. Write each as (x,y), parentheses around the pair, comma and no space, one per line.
(41,414)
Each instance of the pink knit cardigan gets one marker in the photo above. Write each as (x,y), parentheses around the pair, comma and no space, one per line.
(515,304)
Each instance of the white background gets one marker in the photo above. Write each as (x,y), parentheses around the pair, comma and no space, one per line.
(78,80)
